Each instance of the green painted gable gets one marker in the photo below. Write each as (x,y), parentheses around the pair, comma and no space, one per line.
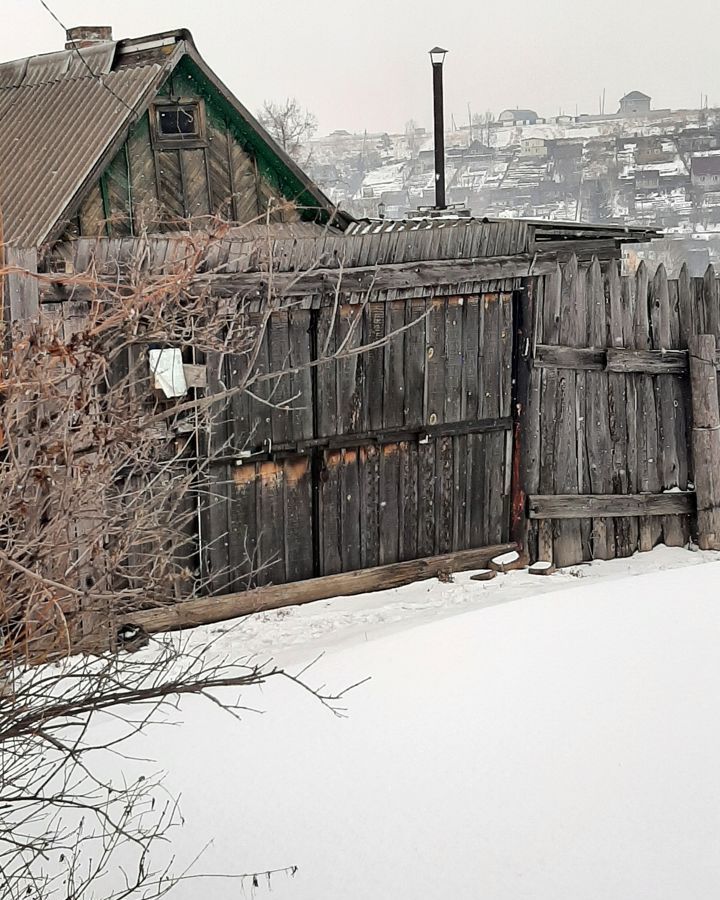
(231,173)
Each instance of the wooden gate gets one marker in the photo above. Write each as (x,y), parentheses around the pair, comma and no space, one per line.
(605,455)
(389,440)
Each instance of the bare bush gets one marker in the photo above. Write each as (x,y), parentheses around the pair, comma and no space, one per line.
(103,468)
(290,124)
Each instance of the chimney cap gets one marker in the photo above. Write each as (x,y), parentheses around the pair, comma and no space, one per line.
(87,35)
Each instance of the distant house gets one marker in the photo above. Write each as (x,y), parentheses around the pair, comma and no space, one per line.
(477,150)
(647,179)
(654,152)
(565,161)
(634,104)
(690,140)
(533,148)
(426,160)
(396,203)
(518,117)
(705,172)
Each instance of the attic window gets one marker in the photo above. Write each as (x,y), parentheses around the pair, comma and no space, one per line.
(178,120)
(178,124)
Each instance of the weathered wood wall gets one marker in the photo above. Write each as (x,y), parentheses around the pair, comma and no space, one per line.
(155,187)
(484,409)
(371,457)
(605,409)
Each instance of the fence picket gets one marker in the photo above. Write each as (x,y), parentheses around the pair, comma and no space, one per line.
(597,417)
(568,544)
(647,425)
(685,306)
(668,397)
(620,310)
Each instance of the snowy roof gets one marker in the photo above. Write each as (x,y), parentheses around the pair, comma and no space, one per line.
(675,167)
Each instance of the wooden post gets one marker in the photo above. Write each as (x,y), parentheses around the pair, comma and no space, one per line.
(705,439)
(21,287)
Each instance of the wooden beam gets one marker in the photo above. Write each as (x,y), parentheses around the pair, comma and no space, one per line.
(360,279)
(207,610)
(396,276)
(550,356)
(585,506)
(380,436)
(646,362)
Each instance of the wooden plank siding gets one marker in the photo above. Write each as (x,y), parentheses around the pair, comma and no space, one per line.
(148,187)
(403,446)
(417,414)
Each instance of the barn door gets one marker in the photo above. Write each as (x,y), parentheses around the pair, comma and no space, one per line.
(421,432)
(366,458)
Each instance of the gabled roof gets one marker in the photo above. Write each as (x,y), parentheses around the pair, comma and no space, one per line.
(635,95)
(521,114)
(64,115)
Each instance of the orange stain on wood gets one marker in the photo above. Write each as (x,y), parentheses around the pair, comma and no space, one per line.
(244,475)
(270,472)
(333,458)
(296,470)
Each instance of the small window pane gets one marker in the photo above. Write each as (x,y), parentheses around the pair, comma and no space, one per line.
(176,121)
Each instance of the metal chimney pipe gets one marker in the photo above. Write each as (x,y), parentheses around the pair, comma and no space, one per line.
(437,57)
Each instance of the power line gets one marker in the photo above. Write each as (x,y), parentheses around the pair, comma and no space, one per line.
(85,62)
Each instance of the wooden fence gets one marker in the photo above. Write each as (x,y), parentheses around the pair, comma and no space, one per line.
(611,440)
(406,450)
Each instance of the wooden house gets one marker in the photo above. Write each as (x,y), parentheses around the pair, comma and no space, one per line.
(110,138)
(416,447)
(705,171)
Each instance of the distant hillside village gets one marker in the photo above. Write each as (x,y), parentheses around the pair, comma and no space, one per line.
(656,167)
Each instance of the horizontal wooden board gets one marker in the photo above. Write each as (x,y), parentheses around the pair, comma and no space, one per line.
(551,357)
(646,362)
(583,506)
(358,280)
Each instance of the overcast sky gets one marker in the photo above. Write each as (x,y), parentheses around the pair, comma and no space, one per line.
(364,64)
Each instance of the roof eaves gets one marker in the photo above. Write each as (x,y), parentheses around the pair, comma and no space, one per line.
(184,45)
(112,147)
(337,215)
(545,233)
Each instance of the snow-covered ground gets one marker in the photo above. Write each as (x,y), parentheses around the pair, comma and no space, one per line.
(549,738)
